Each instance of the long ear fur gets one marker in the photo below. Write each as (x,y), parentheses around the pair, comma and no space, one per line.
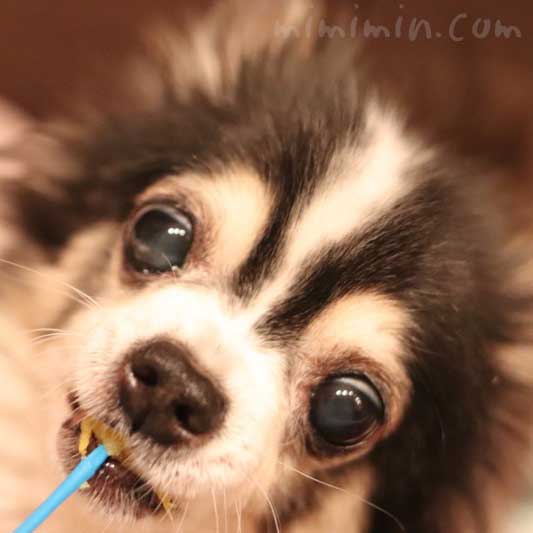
(14,125)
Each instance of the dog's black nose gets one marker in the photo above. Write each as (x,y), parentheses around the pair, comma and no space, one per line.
(166,398)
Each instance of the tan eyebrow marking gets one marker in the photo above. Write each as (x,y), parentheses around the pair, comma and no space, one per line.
(372,327)
(237,203)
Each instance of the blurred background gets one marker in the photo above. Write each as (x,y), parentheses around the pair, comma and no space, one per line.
(474,91)
(477,91)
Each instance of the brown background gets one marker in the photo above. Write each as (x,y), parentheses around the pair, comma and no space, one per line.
(476,93)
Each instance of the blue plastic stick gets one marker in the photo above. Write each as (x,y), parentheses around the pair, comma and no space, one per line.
(85,470)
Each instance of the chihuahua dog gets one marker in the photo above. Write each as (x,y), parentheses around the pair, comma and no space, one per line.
(291,312)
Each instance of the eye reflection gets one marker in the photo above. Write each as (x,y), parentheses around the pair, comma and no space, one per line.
(160,240)
(346,410)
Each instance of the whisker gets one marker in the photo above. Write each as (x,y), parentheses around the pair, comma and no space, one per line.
(146,487)
(340,489)
(238,512)
(102,490)
(270,504)
(183,516)
(109,523)
(79,292)
(40,350)
(36,341)
(215,509)
(44,330)
(225,503)
(35,283)
(52,390)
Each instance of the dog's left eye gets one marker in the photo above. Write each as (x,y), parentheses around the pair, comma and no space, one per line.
(346,410)
(160,240)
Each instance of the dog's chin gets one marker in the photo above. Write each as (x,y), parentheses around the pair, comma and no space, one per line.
(115,489)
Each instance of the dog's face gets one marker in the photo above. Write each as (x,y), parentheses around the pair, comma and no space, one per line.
(248,326)
(291,294)
(319,314)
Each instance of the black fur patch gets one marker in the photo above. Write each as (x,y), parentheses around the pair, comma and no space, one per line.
(300,162)
(390,256)
(280,118)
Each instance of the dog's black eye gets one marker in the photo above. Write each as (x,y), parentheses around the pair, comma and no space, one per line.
(346,410)
(160,240)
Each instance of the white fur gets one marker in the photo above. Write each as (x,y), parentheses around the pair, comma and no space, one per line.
(222,346)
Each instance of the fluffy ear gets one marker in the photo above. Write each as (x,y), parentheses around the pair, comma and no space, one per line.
(211,52)
(27,152)
(14,125)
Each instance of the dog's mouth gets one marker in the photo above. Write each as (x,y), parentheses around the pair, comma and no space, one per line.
(115,487)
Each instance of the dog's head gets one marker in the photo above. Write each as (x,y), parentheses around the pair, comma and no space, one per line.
(289,293)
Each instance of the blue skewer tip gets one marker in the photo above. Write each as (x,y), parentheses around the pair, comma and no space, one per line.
(84,471)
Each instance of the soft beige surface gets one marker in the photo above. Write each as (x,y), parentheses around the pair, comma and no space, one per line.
(522,522)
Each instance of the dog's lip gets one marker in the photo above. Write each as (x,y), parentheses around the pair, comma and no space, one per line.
(114,487)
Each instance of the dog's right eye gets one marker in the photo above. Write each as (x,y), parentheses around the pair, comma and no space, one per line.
(160,240)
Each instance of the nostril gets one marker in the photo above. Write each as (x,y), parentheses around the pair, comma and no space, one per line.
(146,373)
(185,415)
(192,419)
